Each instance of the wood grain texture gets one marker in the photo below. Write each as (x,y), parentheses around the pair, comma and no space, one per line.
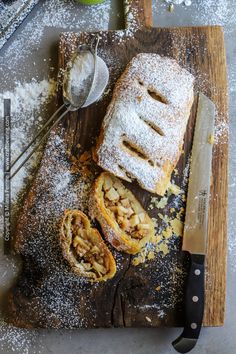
(130,298)
(138,13)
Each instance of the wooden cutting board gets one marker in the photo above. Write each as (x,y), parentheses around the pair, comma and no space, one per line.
(150,294)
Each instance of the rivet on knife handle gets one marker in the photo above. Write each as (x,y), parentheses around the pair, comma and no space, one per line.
(194,306)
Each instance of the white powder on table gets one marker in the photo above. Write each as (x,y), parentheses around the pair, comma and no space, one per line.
(54,15)
(28,101)
(178,2)
(206,12)
(19,340)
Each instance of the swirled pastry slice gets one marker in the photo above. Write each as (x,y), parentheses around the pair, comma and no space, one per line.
(84,248)
(142,133)
(124,222)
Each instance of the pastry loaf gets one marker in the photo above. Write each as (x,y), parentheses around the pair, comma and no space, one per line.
(142,133)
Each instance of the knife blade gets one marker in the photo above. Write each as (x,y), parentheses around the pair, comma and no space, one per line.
(196,222)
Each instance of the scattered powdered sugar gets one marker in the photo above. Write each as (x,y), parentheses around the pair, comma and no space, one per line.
(27,97)
(178,2)
(56,296)
(19,340)
(131,17)
(8,19)
(220,12)
(221,132)
(51,14)
(232,227)
(205,12)
(28,102)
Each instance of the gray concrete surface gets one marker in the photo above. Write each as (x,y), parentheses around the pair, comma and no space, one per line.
(140,341)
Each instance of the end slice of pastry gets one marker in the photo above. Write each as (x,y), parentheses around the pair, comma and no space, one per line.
(125,224)
(84,248)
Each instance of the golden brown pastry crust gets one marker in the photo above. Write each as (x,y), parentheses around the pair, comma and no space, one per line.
(133,240)
(84,248)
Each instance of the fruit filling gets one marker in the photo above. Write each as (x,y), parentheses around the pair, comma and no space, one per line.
(85,247)
(125,209)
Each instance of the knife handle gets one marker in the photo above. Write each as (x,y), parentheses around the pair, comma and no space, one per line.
(194,305)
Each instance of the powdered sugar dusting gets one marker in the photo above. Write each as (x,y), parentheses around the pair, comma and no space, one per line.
(219,12)
(147,123)
(221,133)
(205,12)
(30,111)
(52,14)
(56,298)
(28,103)
(19,340)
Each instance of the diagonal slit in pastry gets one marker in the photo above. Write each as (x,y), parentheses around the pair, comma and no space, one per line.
(154,93)
(155,127)
(84,248)
(136,151)
(157,96)
(125,224)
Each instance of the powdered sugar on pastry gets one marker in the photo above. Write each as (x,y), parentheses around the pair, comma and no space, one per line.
(143,130)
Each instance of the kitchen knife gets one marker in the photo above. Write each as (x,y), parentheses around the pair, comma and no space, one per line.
(196,223)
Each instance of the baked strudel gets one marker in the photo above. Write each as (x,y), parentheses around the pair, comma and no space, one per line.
(142,133)
(84,248)
(125,224)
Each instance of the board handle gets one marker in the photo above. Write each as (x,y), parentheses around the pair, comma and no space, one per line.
(138,14)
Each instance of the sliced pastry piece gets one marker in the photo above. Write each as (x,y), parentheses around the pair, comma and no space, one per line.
(124,222)
(142,133)
(84,248)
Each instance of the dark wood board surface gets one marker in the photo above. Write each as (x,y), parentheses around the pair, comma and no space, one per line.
(46,294)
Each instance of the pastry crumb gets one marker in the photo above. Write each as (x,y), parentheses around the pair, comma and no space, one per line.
(140,258)
(162,203)
(174,189)
(211,139)
(162,248)
(167,232)
(176,172)
(177,227)
(148,319)
(85,156)
(151,255)
(156,239)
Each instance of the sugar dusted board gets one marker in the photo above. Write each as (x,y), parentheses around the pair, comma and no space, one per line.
(150,294)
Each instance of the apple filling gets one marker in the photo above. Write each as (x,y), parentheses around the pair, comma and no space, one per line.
(125,209)
(85,245)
